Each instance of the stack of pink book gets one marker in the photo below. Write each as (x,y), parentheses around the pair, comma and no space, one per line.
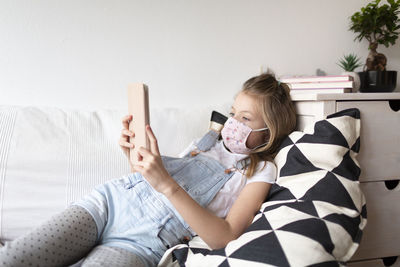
(319,84)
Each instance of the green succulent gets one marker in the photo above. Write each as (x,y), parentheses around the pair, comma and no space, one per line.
(349,62)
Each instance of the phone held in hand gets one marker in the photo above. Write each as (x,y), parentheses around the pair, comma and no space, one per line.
(138,107)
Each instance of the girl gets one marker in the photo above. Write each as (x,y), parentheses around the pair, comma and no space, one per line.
(213,190)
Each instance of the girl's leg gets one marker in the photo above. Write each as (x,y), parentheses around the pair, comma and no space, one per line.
(63,240)
(112,256)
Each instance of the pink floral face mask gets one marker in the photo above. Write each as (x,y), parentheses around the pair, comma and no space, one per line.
(235,134)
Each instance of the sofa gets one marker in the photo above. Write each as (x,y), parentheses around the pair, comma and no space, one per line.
(51,156)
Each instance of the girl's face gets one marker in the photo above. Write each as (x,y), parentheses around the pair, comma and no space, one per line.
(244,109)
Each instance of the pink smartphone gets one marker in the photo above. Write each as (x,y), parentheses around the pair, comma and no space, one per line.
(138,107)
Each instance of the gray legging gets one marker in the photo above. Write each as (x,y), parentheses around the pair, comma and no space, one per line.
(63,240)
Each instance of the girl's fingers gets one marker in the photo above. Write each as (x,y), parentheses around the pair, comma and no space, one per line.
(125,121)
(123,143)
(153,141)
(137,168)
(139,157)
(127,133)
(127,118)
(144,152)
(140,164)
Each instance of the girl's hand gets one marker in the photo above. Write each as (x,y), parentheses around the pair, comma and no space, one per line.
(152,167)
(125,135)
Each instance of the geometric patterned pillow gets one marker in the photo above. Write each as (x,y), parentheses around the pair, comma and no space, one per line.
(315,212)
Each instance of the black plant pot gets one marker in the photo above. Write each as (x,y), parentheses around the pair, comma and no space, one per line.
(377,81)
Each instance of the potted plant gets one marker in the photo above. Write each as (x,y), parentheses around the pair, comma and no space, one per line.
(349,63)
(379,25)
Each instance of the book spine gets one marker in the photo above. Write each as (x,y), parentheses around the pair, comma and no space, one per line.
(310,79)
(322,91)
(321,85)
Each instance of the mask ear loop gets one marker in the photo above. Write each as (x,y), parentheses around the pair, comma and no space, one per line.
(259,146)
(259,130)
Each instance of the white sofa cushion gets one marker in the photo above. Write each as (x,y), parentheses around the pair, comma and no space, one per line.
(51,156)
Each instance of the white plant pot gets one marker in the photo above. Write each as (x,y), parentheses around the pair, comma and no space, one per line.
(356,79)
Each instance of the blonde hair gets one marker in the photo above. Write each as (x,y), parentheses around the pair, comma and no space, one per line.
(278,113)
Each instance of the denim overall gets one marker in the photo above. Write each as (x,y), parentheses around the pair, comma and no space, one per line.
(130,214)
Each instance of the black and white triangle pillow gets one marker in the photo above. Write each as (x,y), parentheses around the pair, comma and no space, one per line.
(314,214)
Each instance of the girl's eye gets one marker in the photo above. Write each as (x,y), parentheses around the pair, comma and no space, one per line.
(231,114)
(246,119)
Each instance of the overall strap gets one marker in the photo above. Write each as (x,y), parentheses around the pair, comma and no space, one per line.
(206,142)
(217,122)
(240,166)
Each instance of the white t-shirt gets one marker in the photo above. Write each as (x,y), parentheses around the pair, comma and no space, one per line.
(224,199)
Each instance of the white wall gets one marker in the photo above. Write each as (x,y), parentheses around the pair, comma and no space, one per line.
(83,53)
